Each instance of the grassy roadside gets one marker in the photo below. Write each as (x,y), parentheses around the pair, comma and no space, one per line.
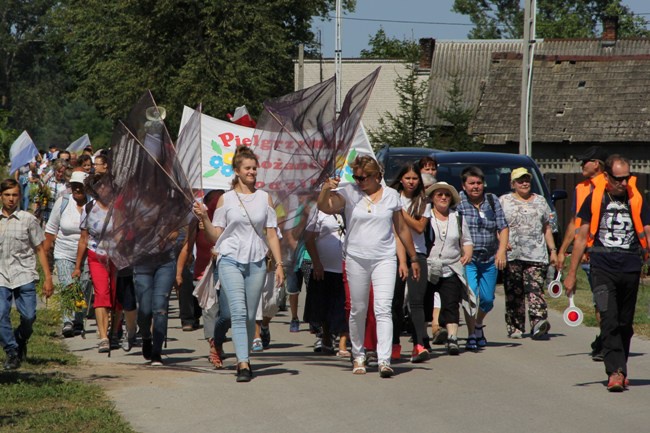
(42,396)
(583,300)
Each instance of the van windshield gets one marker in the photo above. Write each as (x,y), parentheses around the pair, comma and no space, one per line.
(497,177)
(395,164)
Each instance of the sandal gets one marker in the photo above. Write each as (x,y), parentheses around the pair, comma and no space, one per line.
(471,343)
(385,371)
(345,354)
(359,365)
(216,356)
(480,336)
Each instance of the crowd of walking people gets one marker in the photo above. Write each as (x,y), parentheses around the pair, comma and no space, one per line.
(376,260)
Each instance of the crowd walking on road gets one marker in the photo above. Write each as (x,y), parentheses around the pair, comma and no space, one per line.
(376,261)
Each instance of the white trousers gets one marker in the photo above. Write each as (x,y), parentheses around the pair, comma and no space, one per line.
(381,273)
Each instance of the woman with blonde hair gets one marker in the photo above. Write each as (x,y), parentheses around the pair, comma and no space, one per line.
(243,228)
(372,212)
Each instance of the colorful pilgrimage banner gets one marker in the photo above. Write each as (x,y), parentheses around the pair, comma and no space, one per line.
(220,138)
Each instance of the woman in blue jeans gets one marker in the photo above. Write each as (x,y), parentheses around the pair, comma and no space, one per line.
(153,284)
(240,228)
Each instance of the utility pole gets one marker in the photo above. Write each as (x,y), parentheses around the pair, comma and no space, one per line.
(337,57)
(525,127)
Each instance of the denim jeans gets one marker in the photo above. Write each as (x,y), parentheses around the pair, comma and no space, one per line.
(25,298)
(153,285)
(242,284)
(64,269)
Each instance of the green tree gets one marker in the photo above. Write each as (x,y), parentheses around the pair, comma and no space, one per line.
(383,47)
(497,19)
(454,134)
(407,126)
(221,53)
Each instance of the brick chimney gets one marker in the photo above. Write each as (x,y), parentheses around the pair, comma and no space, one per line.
(610,29)
(427,46)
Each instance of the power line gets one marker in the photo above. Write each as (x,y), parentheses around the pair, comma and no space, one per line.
(403,21)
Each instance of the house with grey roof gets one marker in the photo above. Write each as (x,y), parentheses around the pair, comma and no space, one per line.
(584,91)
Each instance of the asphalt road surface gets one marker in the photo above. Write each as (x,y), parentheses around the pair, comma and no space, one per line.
(511,386)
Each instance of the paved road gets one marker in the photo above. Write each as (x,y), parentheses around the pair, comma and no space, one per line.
(512,386)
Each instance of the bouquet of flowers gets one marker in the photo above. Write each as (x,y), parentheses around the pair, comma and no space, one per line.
(40,195)
(71,298)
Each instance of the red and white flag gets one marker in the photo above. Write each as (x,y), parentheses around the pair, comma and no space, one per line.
(242,117)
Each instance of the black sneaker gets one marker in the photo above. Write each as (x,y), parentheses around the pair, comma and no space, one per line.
(68,330)
(265,335)
(12,362)
(244,374)
(147,345)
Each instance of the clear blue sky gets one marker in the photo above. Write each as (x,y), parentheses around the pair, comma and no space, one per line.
(435,15)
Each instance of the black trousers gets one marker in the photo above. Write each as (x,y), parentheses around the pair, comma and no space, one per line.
(450,289)
(188,306)
(615,296)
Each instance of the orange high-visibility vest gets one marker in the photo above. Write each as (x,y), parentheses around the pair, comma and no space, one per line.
(635,201)
(583,189)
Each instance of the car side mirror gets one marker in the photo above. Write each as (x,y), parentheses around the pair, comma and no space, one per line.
(558,194)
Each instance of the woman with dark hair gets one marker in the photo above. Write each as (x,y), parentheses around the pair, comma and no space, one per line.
(85,162)
(102,164)
(102,271)
(243,228)
(370,209)
(416,211)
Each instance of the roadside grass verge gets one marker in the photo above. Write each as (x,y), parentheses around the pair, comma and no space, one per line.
(583,300)
(41,396)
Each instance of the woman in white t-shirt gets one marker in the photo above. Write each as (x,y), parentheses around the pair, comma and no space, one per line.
(416,211)
(63,226)
(243,225)
(325,300)
(371,213)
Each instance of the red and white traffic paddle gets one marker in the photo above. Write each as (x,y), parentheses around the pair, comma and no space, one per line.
(573,315)
(555,287)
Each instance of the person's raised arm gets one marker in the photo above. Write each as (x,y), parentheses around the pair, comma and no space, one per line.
(329,201)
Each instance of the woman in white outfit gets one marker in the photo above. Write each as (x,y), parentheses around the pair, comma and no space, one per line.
(371,212)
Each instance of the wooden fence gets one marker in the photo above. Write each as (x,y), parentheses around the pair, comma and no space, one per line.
(572,166)
(568,180)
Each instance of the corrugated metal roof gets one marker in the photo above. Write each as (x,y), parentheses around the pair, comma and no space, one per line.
(468,60)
